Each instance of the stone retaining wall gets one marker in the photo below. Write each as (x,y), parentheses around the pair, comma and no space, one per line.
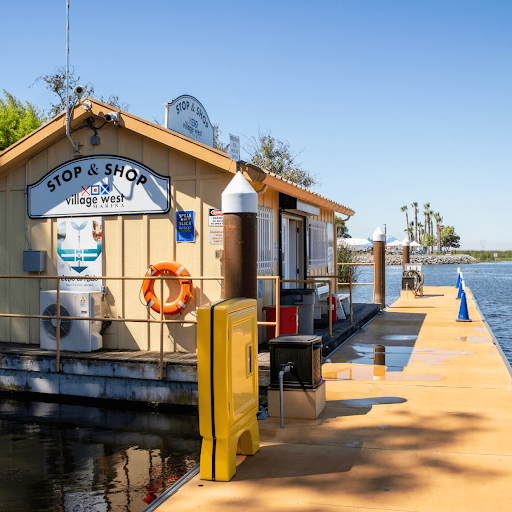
(433,259)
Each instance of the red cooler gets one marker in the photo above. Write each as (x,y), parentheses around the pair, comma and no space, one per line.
(288,316)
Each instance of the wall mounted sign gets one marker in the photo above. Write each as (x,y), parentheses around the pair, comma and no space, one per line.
(185,226)
(99,185)
(234,148)
(79,244)
(215,217)
(216,236)
(187,116)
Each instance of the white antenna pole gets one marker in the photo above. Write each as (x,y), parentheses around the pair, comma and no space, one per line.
(67,60)
(68,117)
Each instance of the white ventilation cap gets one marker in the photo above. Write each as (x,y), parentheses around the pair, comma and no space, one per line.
(239,196)
(379,235)
(406,242)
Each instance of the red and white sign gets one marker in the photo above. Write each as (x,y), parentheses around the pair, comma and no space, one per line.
(215,217)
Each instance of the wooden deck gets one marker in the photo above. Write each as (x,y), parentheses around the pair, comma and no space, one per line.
(418,418)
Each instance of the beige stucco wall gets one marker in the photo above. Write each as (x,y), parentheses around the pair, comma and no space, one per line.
(130,243)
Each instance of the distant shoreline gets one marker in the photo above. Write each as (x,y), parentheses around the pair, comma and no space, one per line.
(425,259)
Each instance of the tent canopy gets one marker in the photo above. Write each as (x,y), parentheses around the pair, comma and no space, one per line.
(416,244)
(394,243)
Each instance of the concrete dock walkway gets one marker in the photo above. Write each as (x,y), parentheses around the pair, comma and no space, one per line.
(418,418)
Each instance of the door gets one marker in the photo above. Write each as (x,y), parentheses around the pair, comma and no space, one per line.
(292,250)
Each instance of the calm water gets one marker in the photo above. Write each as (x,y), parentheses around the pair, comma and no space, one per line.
(491,284)
(67,458)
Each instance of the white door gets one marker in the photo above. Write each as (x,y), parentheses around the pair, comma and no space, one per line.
(292,251)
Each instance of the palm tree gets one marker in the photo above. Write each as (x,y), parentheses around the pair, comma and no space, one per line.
(420,226)
(415,206)
(439,219)
(426,213)
(404,209)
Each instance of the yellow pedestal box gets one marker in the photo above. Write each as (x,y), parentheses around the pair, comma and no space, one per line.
(227,364)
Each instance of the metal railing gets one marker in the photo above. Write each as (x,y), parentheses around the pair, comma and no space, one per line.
(351,283)
(317,279)
(161,320)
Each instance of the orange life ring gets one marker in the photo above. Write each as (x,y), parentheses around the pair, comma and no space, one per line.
(148,287)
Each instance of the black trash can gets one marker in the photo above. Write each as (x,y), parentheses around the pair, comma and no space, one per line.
(305,352)
(305,299)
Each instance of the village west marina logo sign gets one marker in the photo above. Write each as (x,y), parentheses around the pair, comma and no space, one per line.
(97,186)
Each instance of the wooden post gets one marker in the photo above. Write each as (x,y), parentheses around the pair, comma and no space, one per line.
(239,211)
(406,252)
(379,259)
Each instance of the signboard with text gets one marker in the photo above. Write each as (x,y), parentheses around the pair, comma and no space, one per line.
(234,148)
(187,116)
(79,248)
(185,226)
(215,217)
(99,185)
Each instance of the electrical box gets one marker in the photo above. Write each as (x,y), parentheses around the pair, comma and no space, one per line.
(34,261)
(227,364)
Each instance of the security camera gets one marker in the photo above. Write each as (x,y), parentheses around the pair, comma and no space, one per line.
(112,117)
(79,91)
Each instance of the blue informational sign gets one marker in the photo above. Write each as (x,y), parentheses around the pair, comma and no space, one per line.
(185,226)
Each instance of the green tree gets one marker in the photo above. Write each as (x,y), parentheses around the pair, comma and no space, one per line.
(276,156)
(17,120)
(429,241)
(439,219)
(217,144)
(449,238)
(415,206)
(404,209)
(56,83)
(341,229)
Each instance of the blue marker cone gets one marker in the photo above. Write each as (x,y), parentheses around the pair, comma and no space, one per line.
(458,280)
(463,311)
(461,291)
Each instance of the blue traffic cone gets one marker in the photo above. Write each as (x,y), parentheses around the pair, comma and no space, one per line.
(461,291)
(458,280)
(463,311)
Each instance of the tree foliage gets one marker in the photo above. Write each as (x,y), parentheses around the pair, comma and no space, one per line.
(276,156)
(56,83)
(449,238)
(429,240)
(341,229)
(217,144)
(17,120)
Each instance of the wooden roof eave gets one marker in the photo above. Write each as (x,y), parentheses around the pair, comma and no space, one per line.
(286,187)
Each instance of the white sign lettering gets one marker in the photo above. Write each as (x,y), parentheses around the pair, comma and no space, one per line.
(187,116)
(99,185)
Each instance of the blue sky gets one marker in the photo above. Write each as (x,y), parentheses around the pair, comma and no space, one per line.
(390,102)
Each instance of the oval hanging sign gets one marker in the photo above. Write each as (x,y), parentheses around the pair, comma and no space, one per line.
(97,186)
(187,116)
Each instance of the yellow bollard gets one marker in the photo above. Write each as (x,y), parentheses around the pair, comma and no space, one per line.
(227,363)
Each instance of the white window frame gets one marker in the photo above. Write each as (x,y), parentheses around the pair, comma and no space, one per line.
(318,244)
(265,259)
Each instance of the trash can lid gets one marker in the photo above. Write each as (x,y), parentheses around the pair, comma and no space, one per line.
(298,291)
(297,338)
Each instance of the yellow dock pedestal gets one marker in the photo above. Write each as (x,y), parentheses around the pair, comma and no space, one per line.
(227,358)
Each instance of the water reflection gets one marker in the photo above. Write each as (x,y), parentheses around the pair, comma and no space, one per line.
(61,457)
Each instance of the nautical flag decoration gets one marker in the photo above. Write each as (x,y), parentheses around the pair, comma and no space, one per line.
(79,248)
(95,190)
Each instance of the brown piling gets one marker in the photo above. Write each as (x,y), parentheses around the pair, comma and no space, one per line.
(379,259)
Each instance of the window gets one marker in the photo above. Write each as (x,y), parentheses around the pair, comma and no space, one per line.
(318,240)
(265,263)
